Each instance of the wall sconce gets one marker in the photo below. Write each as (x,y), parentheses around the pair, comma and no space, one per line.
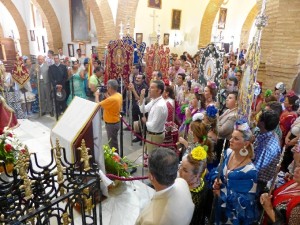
(158,33)
(93,35)
(232,39)
(218,38)
(177,40)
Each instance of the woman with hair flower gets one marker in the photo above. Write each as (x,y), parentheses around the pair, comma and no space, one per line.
(286,120)
(77,84)
(192,168)
(238,180)
(289,115)
(197,135)
(210,120)
(196,105)
(210,93)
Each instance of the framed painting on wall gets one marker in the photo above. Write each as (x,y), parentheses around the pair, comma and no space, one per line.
(222,18)
(82,46)
(94,50)
(71,50)
(44,44)
(176,19)
(139,38)
(38,43)
(32,35)
(154,4)
(80,21)
(166,39)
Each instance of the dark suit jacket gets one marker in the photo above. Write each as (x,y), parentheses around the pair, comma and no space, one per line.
(58,75)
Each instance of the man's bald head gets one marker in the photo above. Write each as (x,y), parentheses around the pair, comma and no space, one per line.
(41,59)
(177,64)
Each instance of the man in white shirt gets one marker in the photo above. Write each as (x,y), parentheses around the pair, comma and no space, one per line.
(172,203)
(158,112)
(61,55)
(80,58)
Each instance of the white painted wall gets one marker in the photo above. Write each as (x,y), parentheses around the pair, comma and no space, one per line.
(25,12)
(237,12)
(188,35)
(191,17)
(62,11)
(113,4)
(37,46)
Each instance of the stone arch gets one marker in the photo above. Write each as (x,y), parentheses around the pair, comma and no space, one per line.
(24,42)
(104,22)
(51,23)
(126,9)
(208,21)
(245,32)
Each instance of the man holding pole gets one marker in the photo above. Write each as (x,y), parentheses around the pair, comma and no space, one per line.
(158,113)
(44,87)
(136,89)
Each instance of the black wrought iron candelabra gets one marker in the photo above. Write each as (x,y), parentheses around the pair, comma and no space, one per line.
(35,194)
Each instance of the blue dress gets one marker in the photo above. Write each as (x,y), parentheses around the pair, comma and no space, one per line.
(237,202)
(78,85)
(34,85)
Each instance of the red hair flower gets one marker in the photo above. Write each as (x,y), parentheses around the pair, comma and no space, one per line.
(290,94)
(211,84)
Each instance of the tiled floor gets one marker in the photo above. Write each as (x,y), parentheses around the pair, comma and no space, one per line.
(46,123)
(122,207)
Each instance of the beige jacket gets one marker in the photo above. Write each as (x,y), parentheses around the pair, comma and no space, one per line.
(173,206)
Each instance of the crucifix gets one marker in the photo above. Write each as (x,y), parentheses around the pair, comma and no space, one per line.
(128,25)
(154,17)
(121,30)
(15,41)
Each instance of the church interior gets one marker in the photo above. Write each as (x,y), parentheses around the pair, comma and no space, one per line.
(246,54)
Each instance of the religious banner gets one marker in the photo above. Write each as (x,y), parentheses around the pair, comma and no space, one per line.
(157,59)
(211,65)
(252,60)
(20,73)
(139,49)
(119,60)
(246,91)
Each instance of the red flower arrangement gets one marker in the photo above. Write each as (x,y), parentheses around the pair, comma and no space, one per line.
(114,164)
(10,147)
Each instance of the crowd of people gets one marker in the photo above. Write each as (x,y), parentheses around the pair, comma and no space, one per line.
(217,154)
(53,82)
(223,155)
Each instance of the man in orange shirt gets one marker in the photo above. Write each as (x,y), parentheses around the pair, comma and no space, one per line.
(111,105)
